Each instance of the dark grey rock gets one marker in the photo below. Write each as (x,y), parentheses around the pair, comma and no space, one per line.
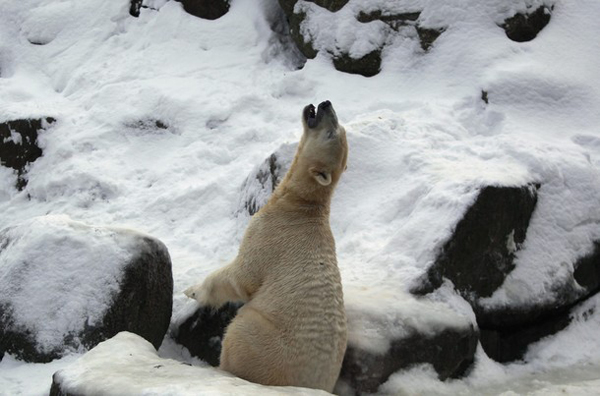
(281,43)
(202,333)
(206,9)
(480,253)
(305,47)
(587,271)
(393,20)
(331,5)
(485,97)
(507,344)
(19,145)
(142,302)
(451,352)
(134,7)
(428,36)
(368,65)
(526,26)
(287,6)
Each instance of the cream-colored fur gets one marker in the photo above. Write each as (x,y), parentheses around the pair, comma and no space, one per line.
(292,328)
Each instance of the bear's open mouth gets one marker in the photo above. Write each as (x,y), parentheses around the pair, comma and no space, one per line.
(313,116)
(310,116)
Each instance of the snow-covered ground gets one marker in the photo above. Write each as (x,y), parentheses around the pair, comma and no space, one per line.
(162,117)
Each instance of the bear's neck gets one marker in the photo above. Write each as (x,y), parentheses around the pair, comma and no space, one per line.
(286,198)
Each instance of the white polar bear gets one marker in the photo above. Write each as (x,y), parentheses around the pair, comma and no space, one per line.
(292,328)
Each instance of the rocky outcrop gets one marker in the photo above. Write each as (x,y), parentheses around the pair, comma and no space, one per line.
(67,286)
(367,63)
(525,26)
(19,145)
(479,256)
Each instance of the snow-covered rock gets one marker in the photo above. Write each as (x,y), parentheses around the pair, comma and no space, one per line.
(356,34)
(525,26)
(450,352)
(66,286)
(382,339)
(129,365)
(481,251)
(19,145)
(509,330)
(362,30)
(263,179)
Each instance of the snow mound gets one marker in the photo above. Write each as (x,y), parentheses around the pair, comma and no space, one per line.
(129,365)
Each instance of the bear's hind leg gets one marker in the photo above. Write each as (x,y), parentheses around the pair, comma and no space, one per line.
(253,350)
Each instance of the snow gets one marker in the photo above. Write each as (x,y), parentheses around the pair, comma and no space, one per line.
(161,118)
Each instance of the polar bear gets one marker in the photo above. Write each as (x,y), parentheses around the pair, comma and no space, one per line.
(292,328)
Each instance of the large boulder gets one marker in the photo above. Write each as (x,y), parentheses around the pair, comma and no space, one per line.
(480,255)
(19,145)
(129,365)
(66,286)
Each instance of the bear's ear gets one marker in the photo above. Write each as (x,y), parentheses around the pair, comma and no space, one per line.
(322,176)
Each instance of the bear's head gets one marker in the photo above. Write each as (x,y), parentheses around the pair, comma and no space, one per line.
(321,156)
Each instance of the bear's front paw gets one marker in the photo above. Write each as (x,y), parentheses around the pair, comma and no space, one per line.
(198,293)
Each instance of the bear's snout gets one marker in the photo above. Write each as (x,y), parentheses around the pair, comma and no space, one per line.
(324,113)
